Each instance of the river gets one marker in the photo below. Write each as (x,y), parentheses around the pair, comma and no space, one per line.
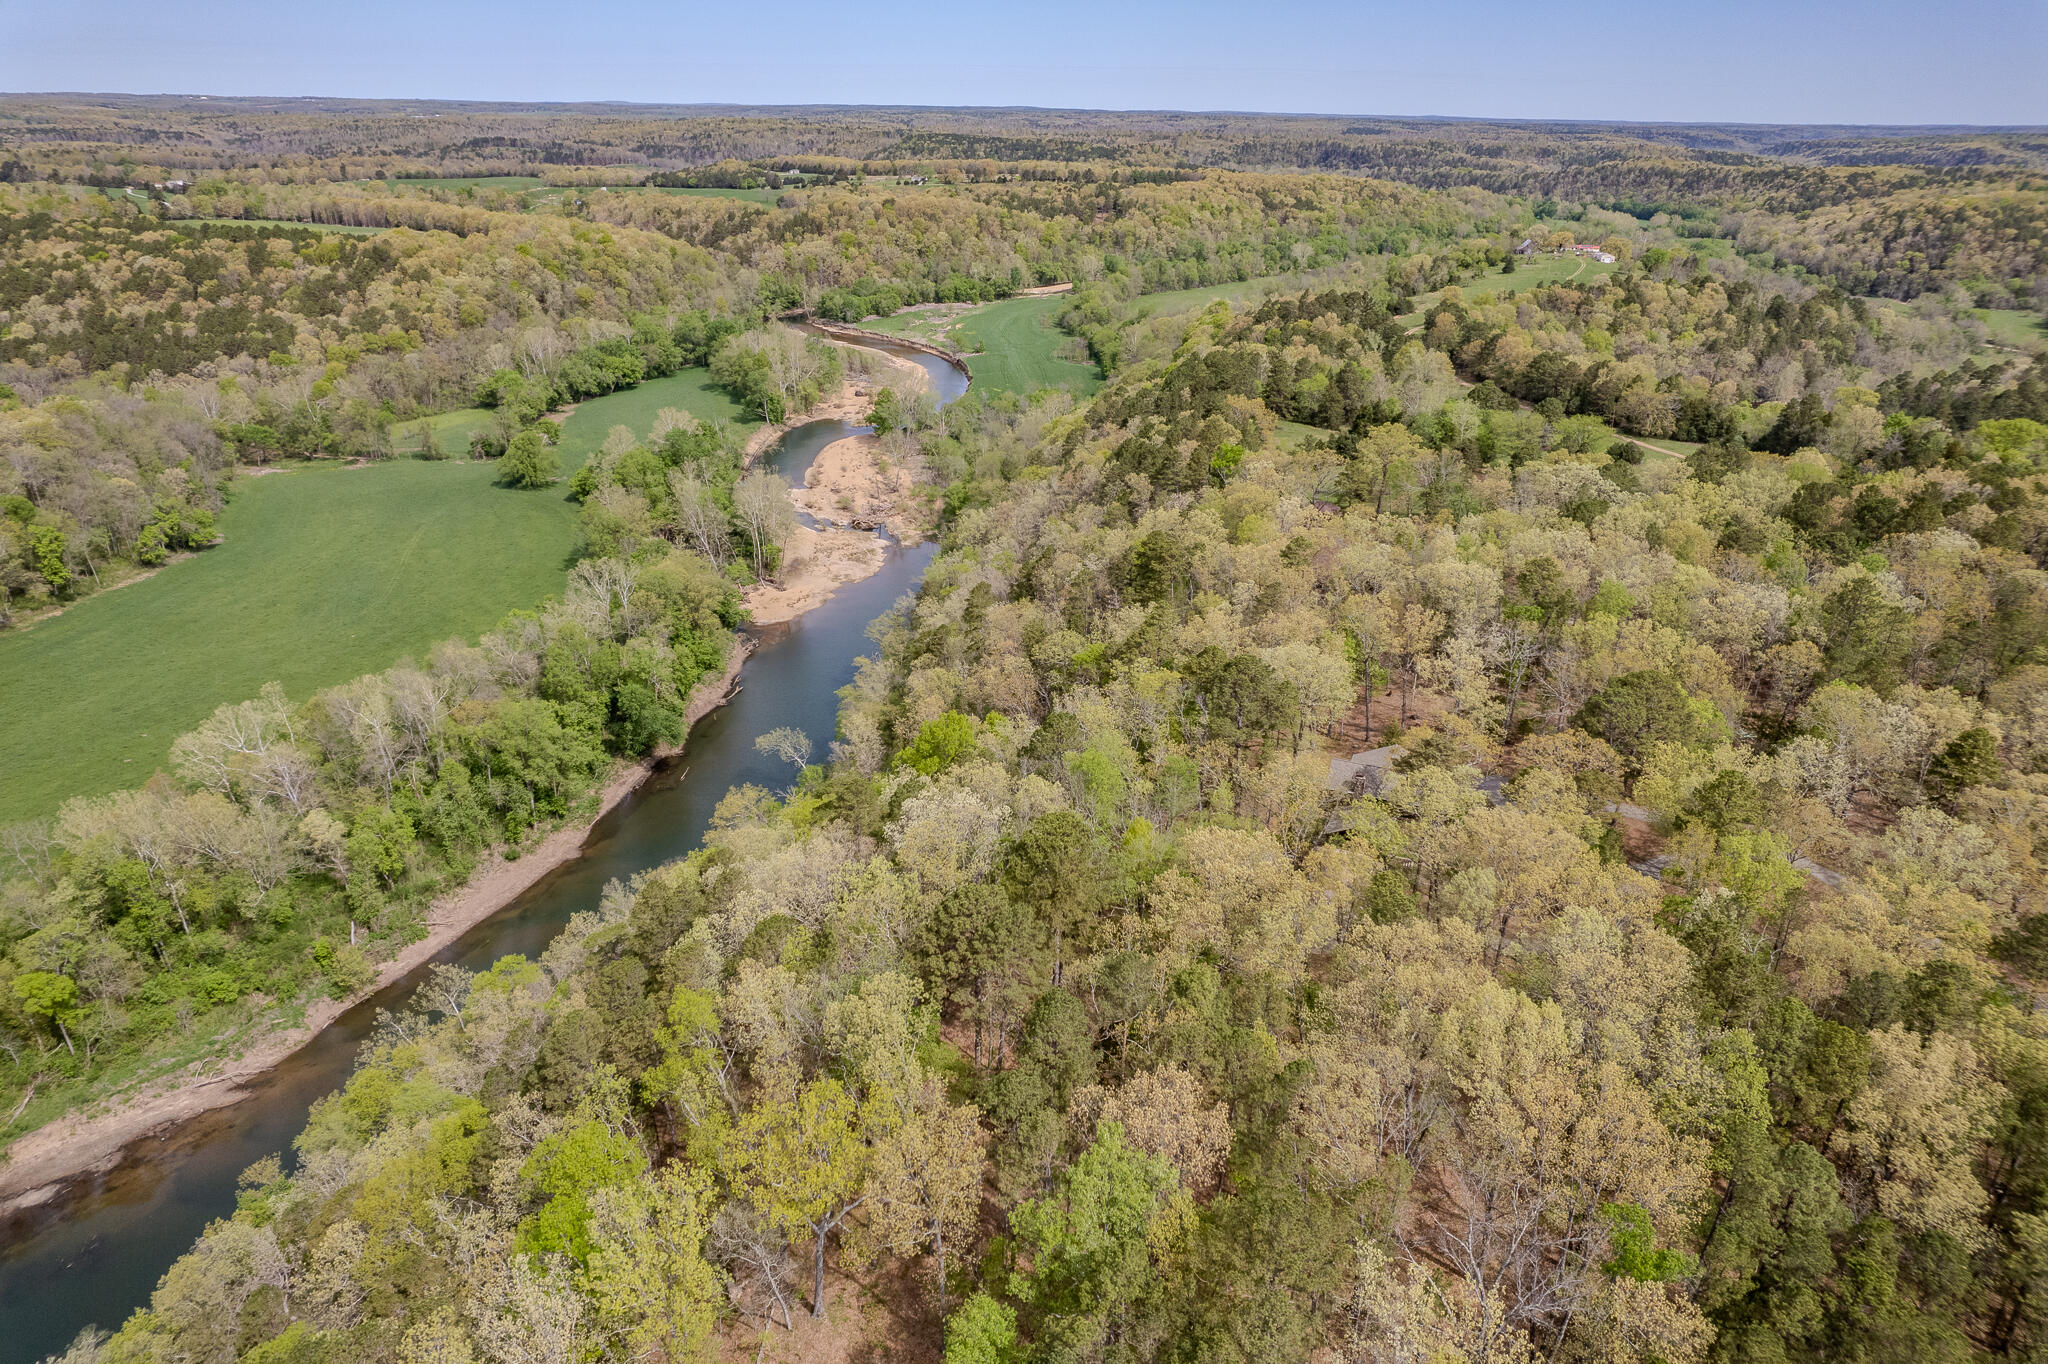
(92,1256)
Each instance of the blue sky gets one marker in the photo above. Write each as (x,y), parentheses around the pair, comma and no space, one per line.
(1883,61)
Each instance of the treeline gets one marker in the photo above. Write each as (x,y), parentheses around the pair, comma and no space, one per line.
(106,479)
(1664,994)
(687,484)
(1750,339)
(867,298)
(1876,212)
(253,343)
(92,285)
(921,243)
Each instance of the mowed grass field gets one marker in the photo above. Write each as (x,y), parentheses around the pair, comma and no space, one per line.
(1012,346)
(1020,348)
(503,182)
(752,196)
(325,573)
(345,229)
(451,431)
(2013,327)
(584,428)
(1236,293)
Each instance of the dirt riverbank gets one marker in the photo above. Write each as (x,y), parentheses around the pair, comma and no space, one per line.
(849,402)
(850,490)
(38,1166)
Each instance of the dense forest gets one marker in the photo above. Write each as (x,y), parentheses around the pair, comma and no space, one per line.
(1429,819)
(1892,211)
(1668,996)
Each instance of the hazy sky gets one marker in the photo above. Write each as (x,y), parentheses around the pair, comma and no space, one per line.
(1883,61)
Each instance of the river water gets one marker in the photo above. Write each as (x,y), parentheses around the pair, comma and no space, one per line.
(94,1255)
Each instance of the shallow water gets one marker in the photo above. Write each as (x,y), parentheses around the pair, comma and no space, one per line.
(94,1255)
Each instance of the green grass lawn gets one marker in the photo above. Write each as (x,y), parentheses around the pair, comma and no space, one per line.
(934,325)
(1293,435)
(1182,300)
(2014,327)
(343,228)
(534,189)
(1532,271)
(1528,274)
(584,429)
(1012,346)
(1020,348)
(452,431)
(325,573)
(1666,445)
(133,197)
(752,196)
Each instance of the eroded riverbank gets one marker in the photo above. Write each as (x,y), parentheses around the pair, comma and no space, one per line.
(42,1163)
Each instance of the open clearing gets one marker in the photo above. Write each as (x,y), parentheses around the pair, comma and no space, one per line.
(2019,329)
(346,229)
(1013,345)
(1528,275)
(326,572)
(584,429)
(501,182)
(1020,347)
(752,196)
(452,431)
(1235,293)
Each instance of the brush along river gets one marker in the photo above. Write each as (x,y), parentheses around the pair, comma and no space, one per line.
(93,1254)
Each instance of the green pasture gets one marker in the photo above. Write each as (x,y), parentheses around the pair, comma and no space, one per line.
(324,573)
(752,196)
(933,325)
(1235,293)
(1529,273)
(1020,348)
(2013,327)
(584,429)
(130,196)
(1293,435)
(343,228)
(508,183)
(452,431)
(1013,346)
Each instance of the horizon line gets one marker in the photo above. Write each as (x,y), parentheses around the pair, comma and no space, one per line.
(1618,122)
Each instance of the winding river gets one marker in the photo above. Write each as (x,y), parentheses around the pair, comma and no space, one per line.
(94,1255)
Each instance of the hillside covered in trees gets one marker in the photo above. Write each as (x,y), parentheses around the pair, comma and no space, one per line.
(1890,211)
(1670,993)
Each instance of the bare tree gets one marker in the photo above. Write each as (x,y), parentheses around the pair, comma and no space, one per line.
(791,745)
(789,362)
(696,516)
(285,773)
(751,1246)
(446,989)
(609,583)
(762,501)
(27,845)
